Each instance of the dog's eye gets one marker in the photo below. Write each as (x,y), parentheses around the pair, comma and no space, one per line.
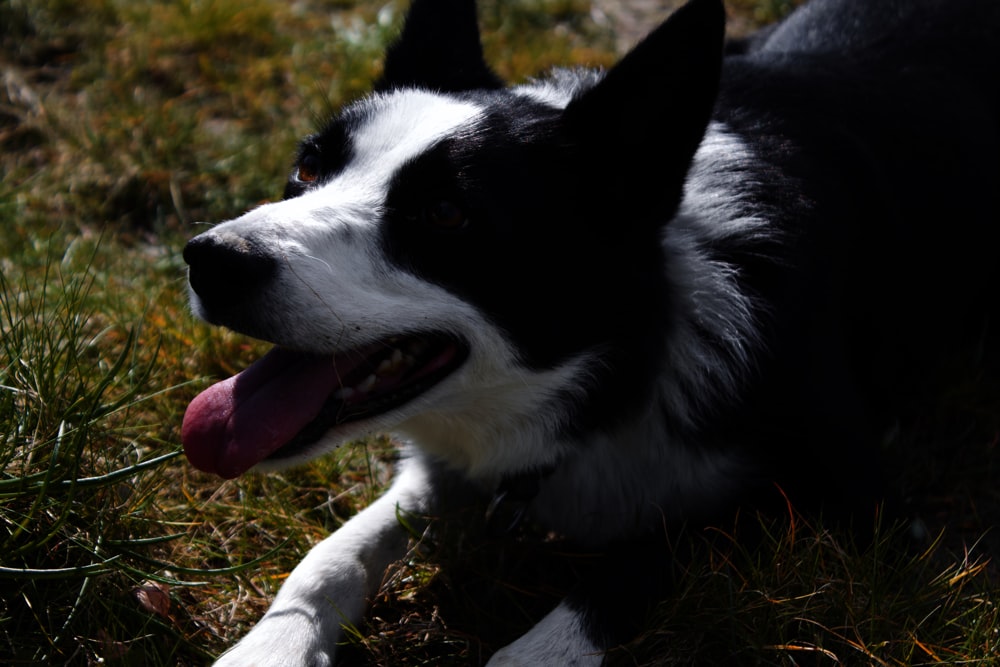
(447,215)
(307,170)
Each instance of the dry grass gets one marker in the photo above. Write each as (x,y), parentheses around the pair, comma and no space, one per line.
(124,124)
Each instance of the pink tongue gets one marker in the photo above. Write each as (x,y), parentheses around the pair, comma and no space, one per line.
(235,424)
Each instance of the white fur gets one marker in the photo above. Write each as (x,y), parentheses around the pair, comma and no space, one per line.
(558,639)
(697,374)
(403,125)
(559,88)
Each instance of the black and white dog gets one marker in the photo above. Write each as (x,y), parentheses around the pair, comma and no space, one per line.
(651,296)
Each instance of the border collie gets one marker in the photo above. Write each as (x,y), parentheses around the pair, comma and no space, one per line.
(708,278)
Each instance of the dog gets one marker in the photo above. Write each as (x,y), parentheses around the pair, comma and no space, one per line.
(706,279)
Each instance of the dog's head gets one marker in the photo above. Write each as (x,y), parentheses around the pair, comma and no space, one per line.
(457,260)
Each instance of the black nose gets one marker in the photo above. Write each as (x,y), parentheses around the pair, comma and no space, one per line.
(226,270)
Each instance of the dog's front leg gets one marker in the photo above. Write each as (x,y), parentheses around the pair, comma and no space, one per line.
(332,584)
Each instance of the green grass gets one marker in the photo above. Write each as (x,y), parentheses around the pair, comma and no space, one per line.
(126,124)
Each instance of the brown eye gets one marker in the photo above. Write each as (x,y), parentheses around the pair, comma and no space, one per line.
(307,170)
(447,215)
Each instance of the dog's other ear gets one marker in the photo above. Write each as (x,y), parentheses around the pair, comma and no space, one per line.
(639,127)
(439,49)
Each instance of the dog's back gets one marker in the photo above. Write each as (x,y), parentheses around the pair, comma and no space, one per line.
(913,30)
(887,117)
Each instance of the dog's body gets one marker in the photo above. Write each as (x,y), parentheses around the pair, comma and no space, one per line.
(654,296)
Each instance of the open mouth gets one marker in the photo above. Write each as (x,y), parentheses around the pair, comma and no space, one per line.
(289,400)
(392,374)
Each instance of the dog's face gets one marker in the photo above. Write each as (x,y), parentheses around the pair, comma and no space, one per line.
(452,259)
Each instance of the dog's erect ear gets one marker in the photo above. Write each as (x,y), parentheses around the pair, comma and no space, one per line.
(439,49)
(643,122)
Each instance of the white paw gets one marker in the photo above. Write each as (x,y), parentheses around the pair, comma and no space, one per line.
(558,639)
(514,656)
(281,640)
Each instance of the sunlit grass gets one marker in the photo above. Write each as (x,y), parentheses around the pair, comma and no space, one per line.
(78,465)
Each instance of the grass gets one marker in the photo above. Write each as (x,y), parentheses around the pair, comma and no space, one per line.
(123,125)
(810,596)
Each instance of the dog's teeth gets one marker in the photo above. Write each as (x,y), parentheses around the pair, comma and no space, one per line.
(368,384)
(391,365)
(417,348)
(343,394)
